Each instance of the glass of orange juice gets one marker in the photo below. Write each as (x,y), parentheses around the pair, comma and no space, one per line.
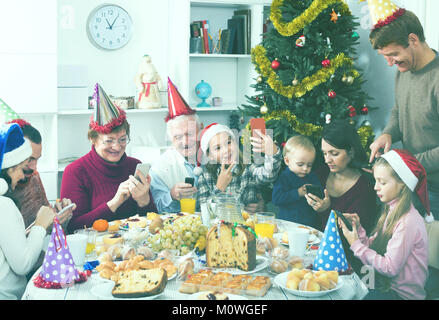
(188,204)
(91,239)
(265,224)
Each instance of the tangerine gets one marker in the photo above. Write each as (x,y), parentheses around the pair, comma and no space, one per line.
(100,225)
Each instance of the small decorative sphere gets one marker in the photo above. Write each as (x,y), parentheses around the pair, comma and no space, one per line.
(275,64)
(331,94)
(326,63)
(259,79)
(264,109)
(350,80)
(295,82)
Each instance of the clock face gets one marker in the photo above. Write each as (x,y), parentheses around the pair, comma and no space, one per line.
(109,27)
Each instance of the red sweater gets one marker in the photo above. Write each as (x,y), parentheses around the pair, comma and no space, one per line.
(91,182)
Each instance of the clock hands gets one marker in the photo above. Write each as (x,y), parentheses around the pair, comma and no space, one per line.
(108,22)
(111,27)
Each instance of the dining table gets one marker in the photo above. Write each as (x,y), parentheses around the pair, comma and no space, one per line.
(352,288)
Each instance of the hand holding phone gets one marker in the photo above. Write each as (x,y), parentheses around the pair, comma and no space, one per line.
(189,180)
(257,124)
(344,219)
(144,168)
(315,190)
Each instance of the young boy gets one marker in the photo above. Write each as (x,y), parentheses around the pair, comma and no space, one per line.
(290,187)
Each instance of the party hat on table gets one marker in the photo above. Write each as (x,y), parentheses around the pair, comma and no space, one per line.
(331,255)
(177,106)
(107,116)
(383,12)
(58,269)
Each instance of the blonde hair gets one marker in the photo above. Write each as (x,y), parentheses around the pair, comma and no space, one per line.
(383,236)
(298,141)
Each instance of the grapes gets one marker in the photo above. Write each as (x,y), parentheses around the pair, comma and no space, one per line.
(181,234)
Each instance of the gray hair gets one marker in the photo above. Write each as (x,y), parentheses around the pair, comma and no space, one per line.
(179,119)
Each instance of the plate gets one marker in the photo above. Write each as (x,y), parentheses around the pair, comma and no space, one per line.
(117,262)
(261,263)
(103,291)
(194,296)
(313,239)
(281,281)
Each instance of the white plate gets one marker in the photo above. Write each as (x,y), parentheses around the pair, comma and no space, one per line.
(261,263)
(117,262)
(281,281)
(195,295)
(313,239)
(103,292)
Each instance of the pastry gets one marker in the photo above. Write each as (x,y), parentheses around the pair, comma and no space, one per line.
(258,286)
(155,225)
(146,252)
(165,254)
(146,264)
(280,252)
(185,268)
(295,262)
(232,246)
(140,283)
(309,285)
(128,253)
(293,282)
(114,225)
(279,265)
(136,222)
(113,238)
(324,282)
(115,251)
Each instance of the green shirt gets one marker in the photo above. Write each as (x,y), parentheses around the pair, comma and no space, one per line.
(415,117)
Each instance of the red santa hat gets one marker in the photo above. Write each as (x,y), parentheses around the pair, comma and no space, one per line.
(177,106)
(412,173)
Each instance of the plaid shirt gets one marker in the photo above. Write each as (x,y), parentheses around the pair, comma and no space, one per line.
(246,184)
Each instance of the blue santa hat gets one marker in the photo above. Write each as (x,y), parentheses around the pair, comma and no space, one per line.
(331,255)
(14,149)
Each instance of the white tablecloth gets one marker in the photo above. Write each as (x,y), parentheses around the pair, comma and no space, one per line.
(353,287)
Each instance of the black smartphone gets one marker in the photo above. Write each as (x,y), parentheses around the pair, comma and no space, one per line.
(315,190)
(344,219)
(189,180)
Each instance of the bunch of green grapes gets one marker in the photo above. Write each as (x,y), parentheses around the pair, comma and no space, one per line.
(181,234)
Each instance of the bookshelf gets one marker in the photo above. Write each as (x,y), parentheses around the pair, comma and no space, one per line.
(230,75)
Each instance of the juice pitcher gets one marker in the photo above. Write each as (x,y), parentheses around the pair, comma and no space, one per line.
(225,207)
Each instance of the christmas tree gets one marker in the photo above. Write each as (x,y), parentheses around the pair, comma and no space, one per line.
(306,70)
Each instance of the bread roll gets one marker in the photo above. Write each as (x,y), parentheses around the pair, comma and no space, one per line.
(146,252)
(280,252)
(279,265)
(295,262)
(324,282)
(309,285)
(185,268)
(146,264)
(293,282)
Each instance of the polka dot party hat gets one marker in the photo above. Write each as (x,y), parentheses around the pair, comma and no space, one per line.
(6,113)
(383,12)
(58,266)
(331,255)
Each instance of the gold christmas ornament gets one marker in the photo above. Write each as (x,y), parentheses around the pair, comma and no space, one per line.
(264,109)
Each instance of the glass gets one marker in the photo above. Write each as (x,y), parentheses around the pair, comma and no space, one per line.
(265,224)
(91,239)
(188,204)
(112,142)
(225,207)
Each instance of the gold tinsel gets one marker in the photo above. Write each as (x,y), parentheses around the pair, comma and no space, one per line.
(260,59)
(288,29)
(309,129)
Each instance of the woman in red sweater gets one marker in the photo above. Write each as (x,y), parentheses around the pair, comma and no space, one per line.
(348,188)
(102,183)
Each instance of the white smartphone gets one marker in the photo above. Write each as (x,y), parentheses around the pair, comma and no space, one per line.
(144,168)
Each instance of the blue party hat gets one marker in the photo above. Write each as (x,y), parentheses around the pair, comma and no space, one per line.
(331,255)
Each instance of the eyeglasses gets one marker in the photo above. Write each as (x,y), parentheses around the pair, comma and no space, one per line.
(111,142)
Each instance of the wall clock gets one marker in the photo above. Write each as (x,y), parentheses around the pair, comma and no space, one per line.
(109,27)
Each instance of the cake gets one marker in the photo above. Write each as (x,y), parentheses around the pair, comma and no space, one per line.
(113,238)
(230,246)
(213,295)
(140,283)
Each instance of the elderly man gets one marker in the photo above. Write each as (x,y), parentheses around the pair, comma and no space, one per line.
(399,38)
(169,172)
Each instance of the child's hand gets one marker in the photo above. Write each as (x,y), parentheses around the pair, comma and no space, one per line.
(302,190)
(351,236)
(225,177)
(318,204)
(353,218)
(263,144)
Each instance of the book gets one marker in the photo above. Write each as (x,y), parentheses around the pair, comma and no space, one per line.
(231,43)
(247,29)
(206,36)
(241,39)
(224,41)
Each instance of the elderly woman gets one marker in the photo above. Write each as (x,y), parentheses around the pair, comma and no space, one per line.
(18,253)
(102,183)
(348,188)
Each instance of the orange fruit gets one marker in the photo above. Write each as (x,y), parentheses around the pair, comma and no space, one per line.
(100,225)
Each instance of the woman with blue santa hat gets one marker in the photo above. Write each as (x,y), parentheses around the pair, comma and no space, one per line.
(18,252)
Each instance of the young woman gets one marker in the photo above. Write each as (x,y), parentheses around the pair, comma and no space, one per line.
(18,252)
(226,170)
(398,248)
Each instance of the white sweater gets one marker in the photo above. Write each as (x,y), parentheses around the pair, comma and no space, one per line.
(18,253)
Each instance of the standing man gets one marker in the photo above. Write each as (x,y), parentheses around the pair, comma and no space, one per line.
(178,162)
(399,37)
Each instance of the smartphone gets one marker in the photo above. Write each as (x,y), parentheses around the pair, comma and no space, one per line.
(344,219)
(144,168)
(189,180)
(257,124)
(315,190)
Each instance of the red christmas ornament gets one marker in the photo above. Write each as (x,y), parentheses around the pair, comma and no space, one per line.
(364,110)
(326,63)
(331,94)
(352,111)
(275,64)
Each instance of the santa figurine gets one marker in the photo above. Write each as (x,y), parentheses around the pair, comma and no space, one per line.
(149,84)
